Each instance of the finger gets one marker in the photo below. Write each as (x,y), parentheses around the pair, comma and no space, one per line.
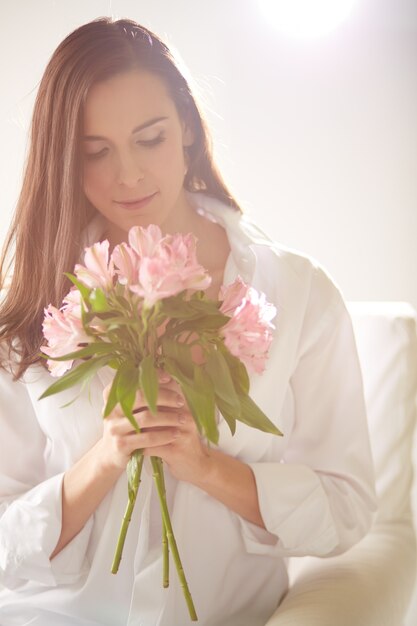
(116,412)
(164,377)
(150,439)
(118,427)
(161,419)
(171,384)
(166,380)
(146,420)
(167,398)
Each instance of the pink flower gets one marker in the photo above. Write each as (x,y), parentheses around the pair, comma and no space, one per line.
(97,272)
(126,262)
(63,330)
(232,296)
(71,304)
(248,333)
(165,265)
(156,281)
(145,241)
(182,250)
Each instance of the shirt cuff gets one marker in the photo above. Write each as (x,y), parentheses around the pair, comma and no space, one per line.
(30,528)
(295,511)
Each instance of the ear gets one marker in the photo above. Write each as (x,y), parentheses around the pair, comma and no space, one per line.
(187,135)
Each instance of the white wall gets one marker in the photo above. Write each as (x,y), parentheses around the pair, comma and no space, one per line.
(317,139)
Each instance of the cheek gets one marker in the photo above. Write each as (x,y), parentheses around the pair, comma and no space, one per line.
(97,181)
(171,164)
(168,161)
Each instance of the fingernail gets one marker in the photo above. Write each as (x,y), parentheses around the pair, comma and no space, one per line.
(165,378)
(181,419)
(180,401)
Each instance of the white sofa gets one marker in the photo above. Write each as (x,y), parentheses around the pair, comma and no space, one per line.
(373,583)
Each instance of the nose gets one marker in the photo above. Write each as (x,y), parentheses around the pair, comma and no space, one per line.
(130,171)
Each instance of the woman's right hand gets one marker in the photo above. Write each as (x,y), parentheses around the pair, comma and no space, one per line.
(120,439)
(90,479)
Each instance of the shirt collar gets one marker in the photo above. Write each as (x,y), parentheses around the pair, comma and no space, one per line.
(241,232)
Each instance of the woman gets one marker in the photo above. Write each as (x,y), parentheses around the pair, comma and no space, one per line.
(117,141)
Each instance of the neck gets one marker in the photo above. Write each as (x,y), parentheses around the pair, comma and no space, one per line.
(183,219)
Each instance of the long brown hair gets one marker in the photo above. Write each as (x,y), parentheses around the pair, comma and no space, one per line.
(44,239)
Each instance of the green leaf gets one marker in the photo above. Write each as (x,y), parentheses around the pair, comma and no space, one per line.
(218,370)
(238,371)
(128,383)
(205,306)
(134,470)
(172,367)
(121,300)
(193,314)
(90,350)
(252,415)
(117,321)
(64,406)
(84,371)
(200,399)
(148,380)
(180,353)
(85,319)
(203,384)
(176,307)
(98,301)
(83,289)
(112,397)
(227,415)
(202,323)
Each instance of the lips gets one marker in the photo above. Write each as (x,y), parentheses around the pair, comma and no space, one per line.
(135,203)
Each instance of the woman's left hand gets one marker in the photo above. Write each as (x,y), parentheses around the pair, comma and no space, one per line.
(225,478)
(187,457)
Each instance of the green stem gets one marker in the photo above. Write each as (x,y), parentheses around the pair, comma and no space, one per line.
(133,492)
(157,473)
(131,316)
(165,555)
(165,546)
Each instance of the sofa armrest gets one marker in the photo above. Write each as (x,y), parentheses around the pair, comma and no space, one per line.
(370,585)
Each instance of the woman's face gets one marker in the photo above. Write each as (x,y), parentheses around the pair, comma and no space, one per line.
(134,163)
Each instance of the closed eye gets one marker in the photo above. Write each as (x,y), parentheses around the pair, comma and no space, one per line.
(148,143)
(151,142)
(91,156)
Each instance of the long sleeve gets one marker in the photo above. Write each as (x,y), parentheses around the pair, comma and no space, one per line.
(319,499)
(316,487)
(30,500)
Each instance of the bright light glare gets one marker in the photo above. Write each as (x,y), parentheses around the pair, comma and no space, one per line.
(306,18)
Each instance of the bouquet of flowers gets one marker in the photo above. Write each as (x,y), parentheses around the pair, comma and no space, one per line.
(143,310)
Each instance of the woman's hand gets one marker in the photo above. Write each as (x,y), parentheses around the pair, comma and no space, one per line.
(170,434)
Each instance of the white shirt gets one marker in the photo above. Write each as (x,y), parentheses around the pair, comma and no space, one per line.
(315,484)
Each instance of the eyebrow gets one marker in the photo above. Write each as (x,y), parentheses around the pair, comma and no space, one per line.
(151,122)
